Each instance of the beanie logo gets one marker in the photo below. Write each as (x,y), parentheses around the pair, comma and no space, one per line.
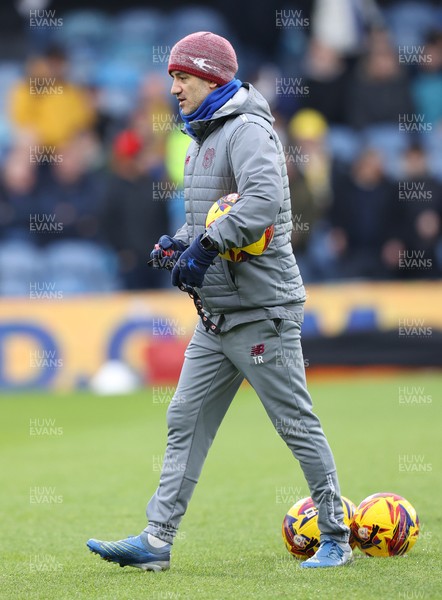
(209,155)
(201,63)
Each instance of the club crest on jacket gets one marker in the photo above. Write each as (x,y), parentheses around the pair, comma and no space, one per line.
(209,155)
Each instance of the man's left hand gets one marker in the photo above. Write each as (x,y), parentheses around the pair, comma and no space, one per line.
(192,265)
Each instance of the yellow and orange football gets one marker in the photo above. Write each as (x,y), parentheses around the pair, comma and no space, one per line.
(222,207)
(385,524)
(300,530)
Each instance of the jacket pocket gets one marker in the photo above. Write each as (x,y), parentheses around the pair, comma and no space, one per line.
(228,275)
(277,325)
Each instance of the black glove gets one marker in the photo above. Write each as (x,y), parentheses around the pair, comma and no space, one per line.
(192,265)
(167,252)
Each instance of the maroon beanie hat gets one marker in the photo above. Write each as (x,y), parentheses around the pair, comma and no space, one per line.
(205,55)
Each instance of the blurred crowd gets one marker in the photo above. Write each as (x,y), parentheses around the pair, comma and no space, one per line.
(91,151)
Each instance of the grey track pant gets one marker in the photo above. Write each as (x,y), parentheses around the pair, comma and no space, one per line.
(268,354)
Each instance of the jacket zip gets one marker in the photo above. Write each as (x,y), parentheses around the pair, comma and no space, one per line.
(191,188)
(207,132)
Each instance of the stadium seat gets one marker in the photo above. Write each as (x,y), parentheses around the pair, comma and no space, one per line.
(86,36)
(410,21)
(310,326)
(187,20)
(91,27)
(135,53)
(433,146)
(20,267)
(389,141)
(435,162)
(83,61)
(362,319)
(386,138)
(6,136)
(76,266)
(10,73)
(343,142)
(290,50)
(119,81)
(145,25)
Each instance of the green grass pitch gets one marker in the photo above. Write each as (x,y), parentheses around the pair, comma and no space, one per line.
(92,470)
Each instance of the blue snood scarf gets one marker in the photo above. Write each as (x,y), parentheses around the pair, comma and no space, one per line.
(211,104)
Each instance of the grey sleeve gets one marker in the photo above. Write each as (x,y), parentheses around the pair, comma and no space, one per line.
(255,163)
(183,234)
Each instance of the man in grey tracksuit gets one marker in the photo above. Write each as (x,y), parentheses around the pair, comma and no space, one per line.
(253,310)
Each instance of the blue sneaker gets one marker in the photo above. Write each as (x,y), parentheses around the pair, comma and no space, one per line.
(329,554)
(134,551)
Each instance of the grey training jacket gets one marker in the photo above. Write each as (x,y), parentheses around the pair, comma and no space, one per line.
(238,151)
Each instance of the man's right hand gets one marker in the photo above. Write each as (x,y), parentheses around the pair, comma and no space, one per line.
(167,252)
